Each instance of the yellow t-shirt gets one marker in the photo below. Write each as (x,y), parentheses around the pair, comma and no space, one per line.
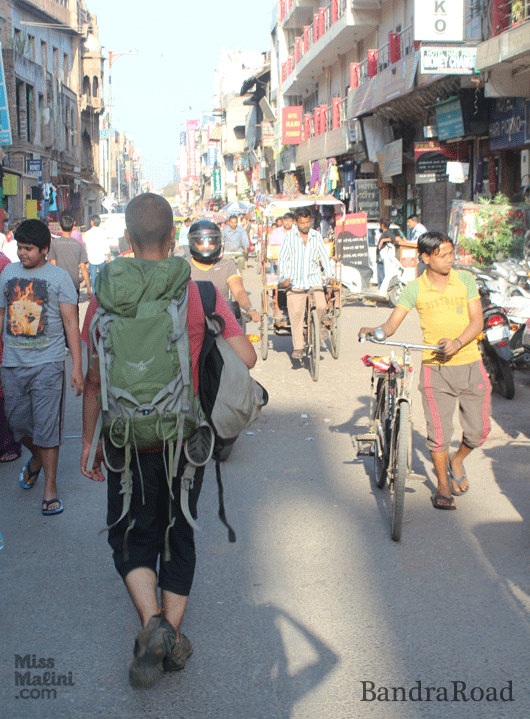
(443,314)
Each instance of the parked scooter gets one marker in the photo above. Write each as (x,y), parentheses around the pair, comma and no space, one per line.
(495,347)
(357,281)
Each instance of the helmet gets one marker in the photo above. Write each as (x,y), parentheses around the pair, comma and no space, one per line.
(205,241)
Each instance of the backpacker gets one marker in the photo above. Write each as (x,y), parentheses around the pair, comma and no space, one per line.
(140,334)
(230,397)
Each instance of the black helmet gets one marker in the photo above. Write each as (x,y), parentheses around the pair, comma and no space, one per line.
(205,241)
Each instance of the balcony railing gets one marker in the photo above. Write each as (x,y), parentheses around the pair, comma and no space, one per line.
(399,46)
(324,119)
(322,21)
(503,15)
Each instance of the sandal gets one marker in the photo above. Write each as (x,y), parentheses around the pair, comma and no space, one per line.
(9,457)
(47,502)
(297,354)
(31,476)
(458,482)
(440,501)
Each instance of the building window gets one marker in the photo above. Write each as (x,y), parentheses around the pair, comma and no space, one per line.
(40,118)
(31,47)
(44,55)
(56,62)
(86,86)
(66,69)
(95,86)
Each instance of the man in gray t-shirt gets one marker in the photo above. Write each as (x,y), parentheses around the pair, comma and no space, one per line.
(68,253)
(36,301)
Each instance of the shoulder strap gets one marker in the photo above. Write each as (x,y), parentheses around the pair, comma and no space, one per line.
(208,296)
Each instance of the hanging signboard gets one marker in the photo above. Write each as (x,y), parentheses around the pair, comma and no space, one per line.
(5,123)
(292,125)
(449,120)
(431,160)
(447,60)
(216,176)
(507,127)
(439,21)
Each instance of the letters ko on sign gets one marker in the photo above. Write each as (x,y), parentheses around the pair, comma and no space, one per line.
(439,20)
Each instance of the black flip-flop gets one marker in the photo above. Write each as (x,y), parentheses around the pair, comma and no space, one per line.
(435,502)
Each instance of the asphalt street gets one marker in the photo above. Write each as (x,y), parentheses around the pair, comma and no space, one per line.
(314,612)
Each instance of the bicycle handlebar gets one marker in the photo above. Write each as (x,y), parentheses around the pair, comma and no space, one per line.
(406,345)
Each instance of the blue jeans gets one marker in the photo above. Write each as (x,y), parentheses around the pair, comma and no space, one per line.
(93,271)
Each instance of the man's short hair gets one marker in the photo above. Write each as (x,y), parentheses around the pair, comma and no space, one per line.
(232,217)
(429,242)
(303,212)
(188,219)
(33,232)
(149,220)
(289,216)
(67,223)
(96,219)
(414,218)
(384,221)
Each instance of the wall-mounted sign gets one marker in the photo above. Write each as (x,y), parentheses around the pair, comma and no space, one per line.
(507,127)
(5,123)
(367,198)
(216,178)
(292,125)
(439,20)
(449,119)
(34,167)
(393,158)
(431,159)
(447,60)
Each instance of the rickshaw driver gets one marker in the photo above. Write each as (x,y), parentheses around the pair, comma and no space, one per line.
(302,252)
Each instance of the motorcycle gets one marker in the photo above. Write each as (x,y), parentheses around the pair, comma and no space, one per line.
(495,347)
(357,280)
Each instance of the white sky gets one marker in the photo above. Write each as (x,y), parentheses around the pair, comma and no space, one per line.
(179,44)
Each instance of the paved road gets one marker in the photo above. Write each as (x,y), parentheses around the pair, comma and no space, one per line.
(314,598)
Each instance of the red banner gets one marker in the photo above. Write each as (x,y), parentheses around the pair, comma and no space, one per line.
(292,125)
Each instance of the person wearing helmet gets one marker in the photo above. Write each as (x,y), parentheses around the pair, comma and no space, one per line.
(205,242)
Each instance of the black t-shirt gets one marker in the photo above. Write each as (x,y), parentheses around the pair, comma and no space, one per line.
(386,237)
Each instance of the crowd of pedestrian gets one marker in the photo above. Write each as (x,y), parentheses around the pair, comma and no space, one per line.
(39,316)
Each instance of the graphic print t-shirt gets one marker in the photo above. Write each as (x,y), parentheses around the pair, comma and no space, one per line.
(33,328)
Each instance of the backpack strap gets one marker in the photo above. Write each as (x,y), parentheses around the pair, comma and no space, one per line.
(208,296)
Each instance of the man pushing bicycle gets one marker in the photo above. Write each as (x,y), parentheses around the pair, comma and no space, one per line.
(450,312)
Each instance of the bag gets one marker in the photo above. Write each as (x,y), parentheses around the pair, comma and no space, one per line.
(230,398)
(140,334)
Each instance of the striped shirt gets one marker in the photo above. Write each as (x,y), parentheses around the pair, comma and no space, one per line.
(301,263)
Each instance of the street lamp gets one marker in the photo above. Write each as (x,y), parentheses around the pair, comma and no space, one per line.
(112,58)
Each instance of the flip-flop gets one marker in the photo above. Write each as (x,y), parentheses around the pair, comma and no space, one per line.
(47,502)
(458,482)
(435,499)
(12,457)
(30,476)
(297,354)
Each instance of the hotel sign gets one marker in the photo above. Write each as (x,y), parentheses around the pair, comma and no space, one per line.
(447,60)
(292,125)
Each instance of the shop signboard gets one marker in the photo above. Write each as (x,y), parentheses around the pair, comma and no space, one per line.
(352,239)
(367,198)
(447,60)
(393,158)
(431,159)
(5,124)
(34,167)
(217,190)
(292,125)
(508,123)
(449,119)
(439,21)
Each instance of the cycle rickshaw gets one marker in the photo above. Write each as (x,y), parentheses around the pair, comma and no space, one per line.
(274,297)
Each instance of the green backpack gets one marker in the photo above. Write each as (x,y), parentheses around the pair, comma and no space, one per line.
(140,334)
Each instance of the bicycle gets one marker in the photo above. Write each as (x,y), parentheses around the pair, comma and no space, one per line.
(391,423)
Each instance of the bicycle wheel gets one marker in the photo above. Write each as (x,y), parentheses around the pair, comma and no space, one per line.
(334,333)
(382,429)
(264,336)
(313,350)
(400,457)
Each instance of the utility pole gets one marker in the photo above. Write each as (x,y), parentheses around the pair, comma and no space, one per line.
(112,58)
